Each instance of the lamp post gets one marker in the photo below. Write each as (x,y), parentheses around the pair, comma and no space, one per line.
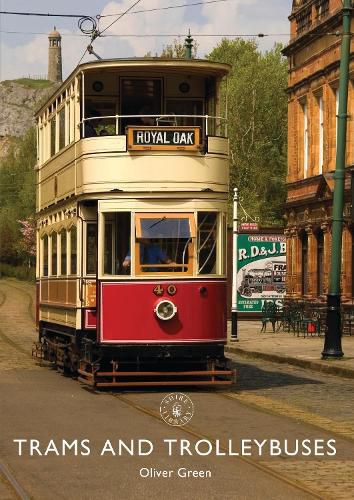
(234,268)
(333,347)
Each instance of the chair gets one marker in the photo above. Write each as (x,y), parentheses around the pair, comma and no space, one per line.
(170,120)
(309,321)
(269,315)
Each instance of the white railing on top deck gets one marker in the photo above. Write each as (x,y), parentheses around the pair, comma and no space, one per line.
(160,120)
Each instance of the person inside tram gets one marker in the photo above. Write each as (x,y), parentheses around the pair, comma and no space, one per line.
(147,120)
(90,130)
(150,253)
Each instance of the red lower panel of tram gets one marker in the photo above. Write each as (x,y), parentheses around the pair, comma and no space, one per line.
(128,311)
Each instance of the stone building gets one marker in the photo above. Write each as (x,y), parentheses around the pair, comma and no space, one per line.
(314,57)
(54,57)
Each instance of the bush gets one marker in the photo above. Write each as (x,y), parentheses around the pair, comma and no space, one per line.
(22,273)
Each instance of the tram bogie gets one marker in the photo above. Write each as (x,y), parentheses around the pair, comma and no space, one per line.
(132,208)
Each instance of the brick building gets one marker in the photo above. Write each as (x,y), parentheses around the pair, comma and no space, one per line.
(314,57)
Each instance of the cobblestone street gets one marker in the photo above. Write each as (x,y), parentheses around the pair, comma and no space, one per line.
(321,399)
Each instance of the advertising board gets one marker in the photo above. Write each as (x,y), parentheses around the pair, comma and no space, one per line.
(261,270)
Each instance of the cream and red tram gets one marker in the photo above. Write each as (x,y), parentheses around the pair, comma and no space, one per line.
(132,185)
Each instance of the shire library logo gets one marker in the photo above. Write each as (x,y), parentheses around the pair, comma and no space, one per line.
(176,409)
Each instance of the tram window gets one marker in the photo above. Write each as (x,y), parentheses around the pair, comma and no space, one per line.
(91,248)
(54,255)
(207,242)
(190,107)
(166,241)
(62,128)
(138,94)
(45,255)
(52,136)
(63,240)
(117,243)
(73,253)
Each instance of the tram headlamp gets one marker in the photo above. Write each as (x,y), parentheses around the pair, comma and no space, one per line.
(165,310)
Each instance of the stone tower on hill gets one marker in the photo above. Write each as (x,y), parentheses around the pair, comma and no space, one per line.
(54,57)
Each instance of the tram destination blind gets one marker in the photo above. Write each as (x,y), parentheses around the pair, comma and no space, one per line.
(163,138)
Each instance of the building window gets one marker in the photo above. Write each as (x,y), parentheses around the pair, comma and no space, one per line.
(319,267)
(304,263)
(306,139)
(303,20)
(320,135)
(322,9)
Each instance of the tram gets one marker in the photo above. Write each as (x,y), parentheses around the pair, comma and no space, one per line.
(132,187)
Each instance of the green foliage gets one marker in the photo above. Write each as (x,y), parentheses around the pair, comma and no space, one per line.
(175,50)
(23,273)
(257,126)
(17,197)
(33,84)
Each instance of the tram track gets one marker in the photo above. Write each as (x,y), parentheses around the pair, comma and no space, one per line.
(3,298)
(12,483)
(21,290)
(198,435)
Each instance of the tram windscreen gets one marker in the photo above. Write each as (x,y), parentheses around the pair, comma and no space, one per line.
(164,227)
(164,243)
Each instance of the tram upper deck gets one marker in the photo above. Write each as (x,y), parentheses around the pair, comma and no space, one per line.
(134,125)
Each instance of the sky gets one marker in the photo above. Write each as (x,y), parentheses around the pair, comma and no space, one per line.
(24,39)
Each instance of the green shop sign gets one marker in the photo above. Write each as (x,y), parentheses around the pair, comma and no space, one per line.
(261,270)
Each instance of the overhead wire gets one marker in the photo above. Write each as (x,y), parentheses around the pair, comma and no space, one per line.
(169,7)
(122,35)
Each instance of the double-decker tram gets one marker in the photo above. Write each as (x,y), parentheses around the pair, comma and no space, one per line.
(132,186)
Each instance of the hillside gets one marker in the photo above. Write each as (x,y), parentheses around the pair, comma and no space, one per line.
(19,99)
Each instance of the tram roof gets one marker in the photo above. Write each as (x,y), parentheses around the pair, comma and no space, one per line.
(155,64)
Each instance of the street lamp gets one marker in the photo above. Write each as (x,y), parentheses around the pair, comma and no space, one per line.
(333,347)
(234,268)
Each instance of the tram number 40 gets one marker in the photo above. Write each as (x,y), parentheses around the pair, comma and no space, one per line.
(159,290)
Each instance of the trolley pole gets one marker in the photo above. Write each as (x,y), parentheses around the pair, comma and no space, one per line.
(333,344)
(234,269)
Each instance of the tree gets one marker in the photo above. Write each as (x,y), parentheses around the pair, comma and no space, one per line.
(17,197)
(175,50)
(257,126)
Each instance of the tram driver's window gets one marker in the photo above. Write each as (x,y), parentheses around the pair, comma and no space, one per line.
(164,243)
(207,242)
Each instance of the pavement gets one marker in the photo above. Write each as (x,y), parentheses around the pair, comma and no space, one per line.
(285,347)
